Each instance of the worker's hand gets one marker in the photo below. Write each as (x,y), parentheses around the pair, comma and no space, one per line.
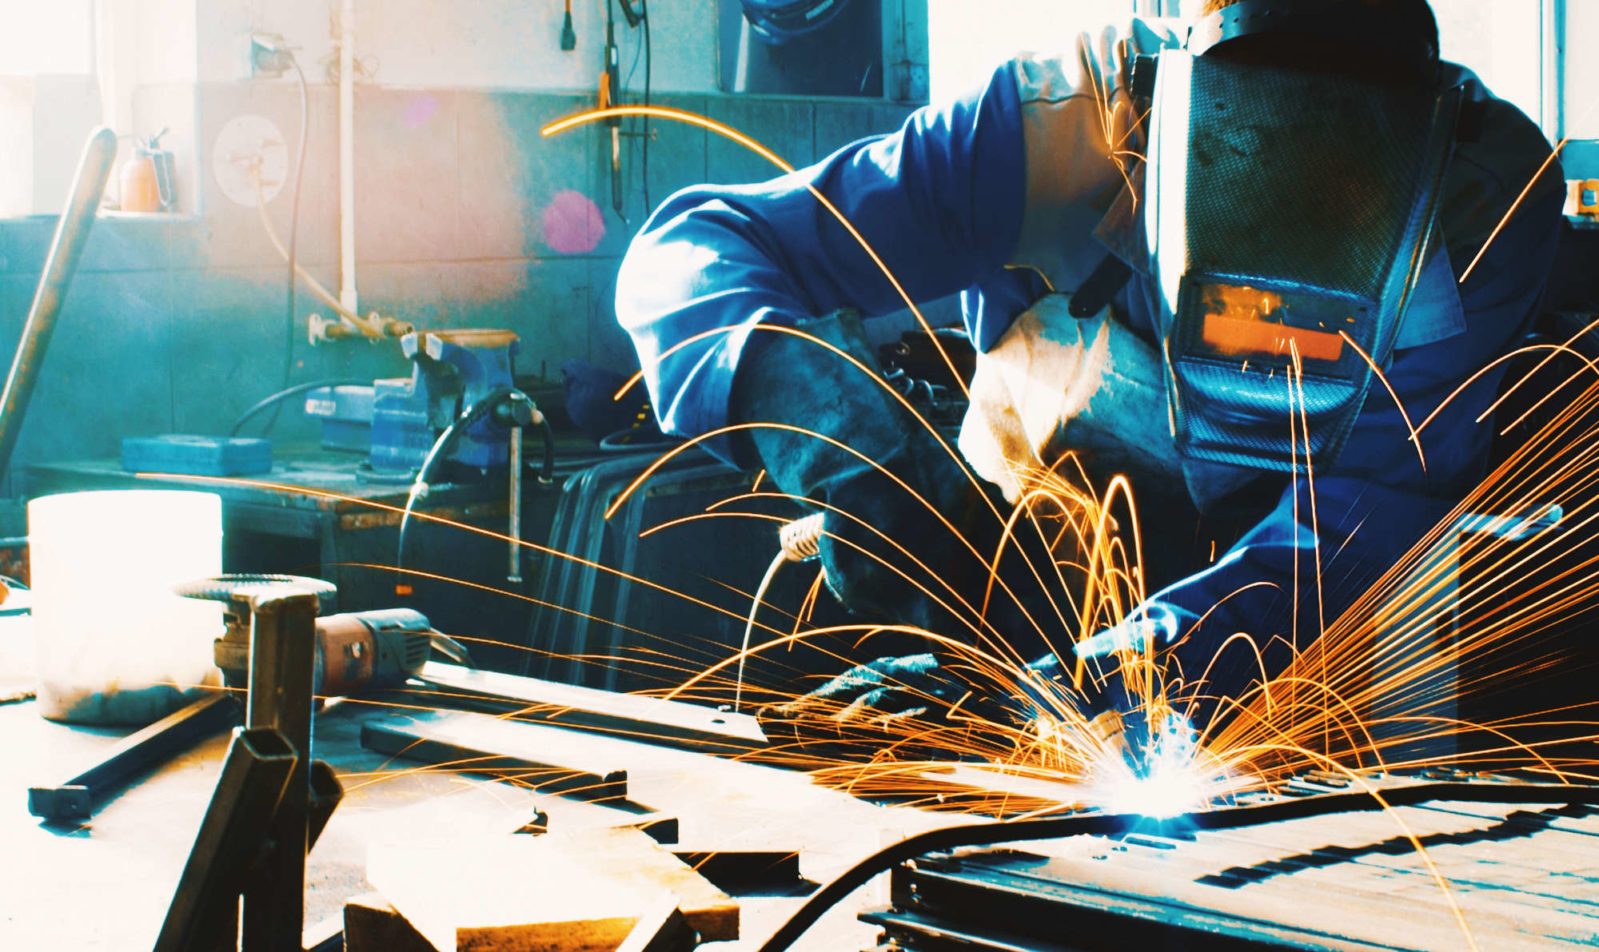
(1152,625)
(1053,384)
(909,532)
(879,691)
(909,546)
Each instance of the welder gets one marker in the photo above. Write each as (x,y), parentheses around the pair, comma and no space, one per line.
(1237,259)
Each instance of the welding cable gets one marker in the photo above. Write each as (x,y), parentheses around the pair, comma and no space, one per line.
(479,409)
(286,393)
(547,434)
(798,541)
(1117,824)
(294,228)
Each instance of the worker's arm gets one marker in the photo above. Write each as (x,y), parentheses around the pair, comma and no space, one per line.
(940,201)
(1332,535)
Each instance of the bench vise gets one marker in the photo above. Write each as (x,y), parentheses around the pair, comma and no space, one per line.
(452,371)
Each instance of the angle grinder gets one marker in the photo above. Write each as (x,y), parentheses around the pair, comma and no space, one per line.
(355,651)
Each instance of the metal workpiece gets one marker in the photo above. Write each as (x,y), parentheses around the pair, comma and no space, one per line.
(513,569)
(280,614)
(76,798)
(282,667)
(72,234)
(326,795)
(429,744)
(204,910)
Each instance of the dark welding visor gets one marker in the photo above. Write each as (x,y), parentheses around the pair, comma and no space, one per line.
(1288,213)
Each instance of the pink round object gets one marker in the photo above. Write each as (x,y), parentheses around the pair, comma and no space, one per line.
(573,225)
(419,110)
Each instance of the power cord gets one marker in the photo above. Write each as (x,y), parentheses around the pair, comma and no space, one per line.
(275,399)
(798,541)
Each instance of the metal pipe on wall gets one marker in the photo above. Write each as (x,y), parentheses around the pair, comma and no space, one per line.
(348,298)
(72,233)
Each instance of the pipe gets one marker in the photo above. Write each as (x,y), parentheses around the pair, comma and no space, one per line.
(348,299)
(72,233)
(514,530)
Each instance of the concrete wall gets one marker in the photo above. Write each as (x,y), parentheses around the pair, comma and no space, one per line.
(464,43)
(466,217)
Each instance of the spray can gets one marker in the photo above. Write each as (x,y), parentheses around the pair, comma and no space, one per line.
(146,178)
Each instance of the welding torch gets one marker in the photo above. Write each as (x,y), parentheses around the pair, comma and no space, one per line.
(1122,723)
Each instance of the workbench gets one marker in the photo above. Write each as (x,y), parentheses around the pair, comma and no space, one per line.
(345,528)
(106,884)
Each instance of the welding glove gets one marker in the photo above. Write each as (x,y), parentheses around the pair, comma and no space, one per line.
(1054,383)
(870,514)
(907,686)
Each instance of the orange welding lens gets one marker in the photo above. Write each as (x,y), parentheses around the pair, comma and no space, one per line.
(1241,321)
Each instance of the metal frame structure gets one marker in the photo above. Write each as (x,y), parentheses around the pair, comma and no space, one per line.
(272,800)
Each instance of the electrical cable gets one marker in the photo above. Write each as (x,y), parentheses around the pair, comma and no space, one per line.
(1113,824)
(440,449)
(287,392)
(798,541)
(294,228)
(547,432)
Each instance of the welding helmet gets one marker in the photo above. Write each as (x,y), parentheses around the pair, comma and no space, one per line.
(1297,150)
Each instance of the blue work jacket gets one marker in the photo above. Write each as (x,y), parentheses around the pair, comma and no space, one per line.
(967,190)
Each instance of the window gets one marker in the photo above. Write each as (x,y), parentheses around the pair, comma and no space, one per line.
(967,40)
(1502,41)
(46,39)
(49,100)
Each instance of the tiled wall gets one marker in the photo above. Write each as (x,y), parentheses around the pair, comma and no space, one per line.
(178,325)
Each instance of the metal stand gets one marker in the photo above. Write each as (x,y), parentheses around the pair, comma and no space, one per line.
(272,799)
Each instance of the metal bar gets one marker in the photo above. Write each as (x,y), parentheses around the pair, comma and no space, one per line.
(569,705)
(326,793)
(203,914)
(513,572)
(72,233)
(282,658)
(415,744)
(75,799)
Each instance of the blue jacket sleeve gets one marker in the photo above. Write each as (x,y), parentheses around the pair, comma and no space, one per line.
(940,201)
(1330,538)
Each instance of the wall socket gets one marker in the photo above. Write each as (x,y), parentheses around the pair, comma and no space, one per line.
(269,55)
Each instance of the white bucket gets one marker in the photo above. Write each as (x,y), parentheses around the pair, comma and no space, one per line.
(115,645)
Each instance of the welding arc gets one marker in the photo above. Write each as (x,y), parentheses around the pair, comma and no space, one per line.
(1113,824)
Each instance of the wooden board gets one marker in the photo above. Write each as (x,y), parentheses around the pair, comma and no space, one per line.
(557,892)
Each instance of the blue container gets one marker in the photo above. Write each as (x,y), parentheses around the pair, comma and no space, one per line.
(196,455)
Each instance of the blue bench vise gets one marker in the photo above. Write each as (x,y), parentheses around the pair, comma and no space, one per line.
(452,371)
